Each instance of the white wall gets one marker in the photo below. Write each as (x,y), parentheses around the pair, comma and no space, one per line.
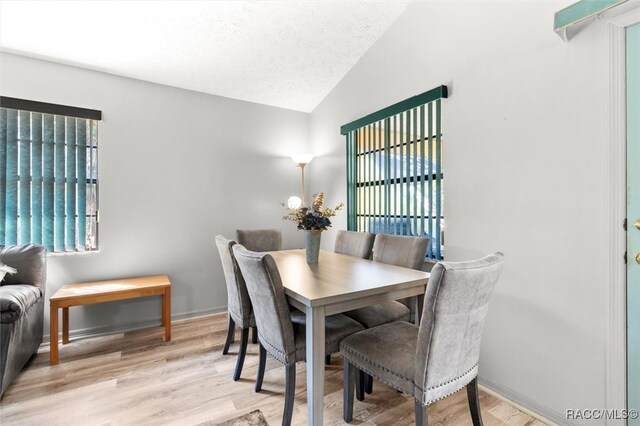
(525,154)
(176,168)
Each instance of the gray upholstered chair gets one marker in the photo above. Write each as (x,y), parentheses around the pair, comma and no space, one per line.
(282,331)
(260,239)
(405,251)
(238,302)
(351,243)
(441,356)
(408,252)
(22,308)
(358,244)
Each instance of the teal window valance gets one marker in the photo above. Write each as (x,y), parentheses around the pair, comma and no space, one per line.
(48,175)
(394,170)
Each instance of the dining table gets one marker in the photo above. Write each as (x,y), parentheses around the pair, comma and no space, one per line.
(336,284)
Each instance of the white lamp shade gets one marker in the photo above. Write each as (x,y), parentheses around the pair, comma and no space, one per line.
(304,158)
(294,202)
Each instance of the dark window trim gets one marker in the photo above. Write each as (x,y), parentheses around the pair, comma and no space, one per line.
(402,106)
(47,108)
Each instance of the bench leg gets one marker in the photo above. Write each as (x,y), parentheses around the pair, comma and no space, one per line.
(166,314)
(53,334)
(65,325)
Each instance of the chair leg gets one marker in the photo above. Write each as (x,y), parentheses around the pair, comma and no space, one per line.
(289,394)
(241,353)
(359,384)
(422,419)
(368,383)
(261,365)
(254,334)
(230,336)
(474,402)
(327,359)
(347,392)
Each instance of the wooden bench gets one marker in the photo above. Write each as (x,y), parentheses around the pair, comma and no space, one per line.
(106,291)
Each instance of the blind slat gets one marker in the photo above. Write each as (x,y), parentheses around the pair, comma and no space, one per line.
(430,177)
(11,183)
(59,187)
(81,173)
(36,178)
(71,185)
(438,162)
(48,181)
(3,175)
(24,184)
(424,171)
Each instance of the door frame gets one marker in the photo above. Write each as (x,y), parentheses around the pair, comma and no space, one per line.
(616,355)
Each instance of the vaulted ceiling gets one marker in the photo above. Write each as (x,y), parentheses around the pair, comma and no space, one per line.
(289,54)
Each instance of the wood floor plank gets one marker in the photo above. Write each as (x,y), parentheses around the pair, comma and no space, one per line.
(135,378)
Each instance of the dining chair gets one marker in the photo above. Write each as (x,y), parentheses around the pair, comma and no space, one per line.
(238,303)
(358,244)
(438,358)
(260,239)
(405,251)
(352,243)
(281,331)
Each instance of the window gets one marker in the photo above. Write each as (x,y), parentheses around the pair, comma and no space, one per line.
(394,170)
(48,175)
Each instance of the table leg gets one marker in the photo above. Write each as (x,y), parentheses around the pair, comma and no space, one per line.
(419,304)
(315,364)
(53,333)
(65,325)
(166,314)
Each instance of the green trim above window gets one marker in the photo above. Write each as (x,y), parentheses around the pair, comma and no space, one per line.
(407,104)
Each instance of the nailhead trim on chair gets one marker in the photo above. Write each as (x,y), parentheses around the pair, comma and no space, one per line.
(393,373)
(449,381)
(281,356)
(424,394)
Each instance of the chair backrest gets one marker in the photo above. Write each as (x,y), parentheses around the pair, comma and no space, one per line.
(358,244)
(399,250)
(260,239)
(30,261)
(239,304)
(270,306)
(455,307)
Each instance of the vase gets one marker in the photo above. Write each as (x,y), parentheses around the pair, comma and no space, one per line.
(312,245)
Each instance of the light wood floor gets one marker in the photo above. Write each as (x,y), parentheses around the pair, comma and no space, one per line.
(135,378)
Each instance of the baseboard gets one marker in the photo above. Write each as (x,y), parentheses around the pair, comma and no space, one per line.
(524,404)
(121,328)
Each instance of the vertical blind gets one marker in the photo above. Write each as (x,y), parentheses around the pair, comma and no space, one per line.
(394,170)
(48,175)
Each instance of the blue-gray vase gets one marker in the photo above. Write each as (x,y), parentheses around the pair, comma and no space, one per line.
(312,245)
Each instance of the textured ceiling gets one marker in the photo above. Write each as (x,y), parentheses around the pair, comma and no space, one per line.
(289,54)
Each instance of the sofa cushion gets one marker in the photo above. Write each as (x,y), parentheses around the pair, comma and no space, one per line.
(15,300)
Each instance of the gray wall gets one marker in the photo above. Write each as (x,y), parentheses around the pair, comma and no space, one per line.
(525,154)
(176,168)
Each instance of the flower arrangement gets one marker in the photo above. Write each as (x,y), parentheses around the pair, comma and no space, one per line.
(314,218)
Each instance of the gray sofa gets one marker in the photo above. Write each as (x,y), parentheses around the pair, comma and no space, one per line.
(21,308)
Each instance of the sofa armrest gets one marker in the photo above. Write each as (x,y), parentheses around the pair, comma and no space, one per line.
(30,261)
